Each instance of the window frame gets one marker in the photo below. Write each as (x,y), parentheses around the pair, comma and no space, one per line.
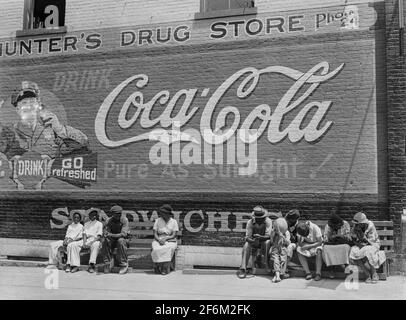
(223,13)
(28,23)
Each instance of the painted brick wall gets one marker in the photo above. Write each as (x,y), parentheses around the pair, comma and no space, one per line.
(31,219)
(81,15)
(396,88)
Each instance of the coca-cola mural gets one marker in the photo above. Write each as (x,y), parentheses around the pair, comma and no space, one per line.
(252,116)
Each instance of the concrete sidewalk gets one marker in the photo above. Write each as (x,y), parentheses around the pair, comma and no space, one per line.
(29,283)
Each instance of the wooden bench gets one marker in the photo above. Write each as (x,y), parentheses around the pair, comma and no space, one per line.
(385,233)
(140,244)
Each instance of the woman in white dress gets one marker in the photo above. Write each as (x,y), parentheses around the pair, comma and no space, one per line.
(73,233)
(165,240)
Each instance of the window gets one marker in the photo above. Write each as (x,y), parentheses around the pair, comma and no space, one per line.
(43,16)
(223,8)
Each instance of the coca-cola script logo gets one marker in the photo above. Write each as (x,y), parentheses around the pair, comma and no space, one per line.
(294,98)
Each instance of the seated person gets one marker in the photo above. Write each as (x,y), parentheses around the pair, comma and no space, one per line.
(257,236)
(165,240)
(280,239)
(336,239)
(309,246)
(92,232)
(116,236)
(292,218)
(73,233)
(365,251)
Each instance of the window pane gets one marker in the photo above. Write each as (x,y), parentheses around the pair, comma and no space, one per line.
(212,5)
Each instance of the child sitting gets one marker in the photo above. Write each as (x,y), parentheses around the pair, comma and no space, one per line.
(280,238)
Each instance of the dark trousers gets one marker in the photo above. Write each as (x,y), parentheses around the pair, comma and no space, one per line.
(108,247)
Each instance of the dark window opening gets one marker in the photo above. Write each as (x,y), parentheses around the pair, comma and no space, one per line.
(44,14)
(213,5)
(224,8)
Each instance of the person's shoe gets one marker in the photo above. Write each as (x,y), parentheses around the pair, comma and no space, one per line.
(276,279)
(285,276)
(308,276)
(74,269)
(106,268)
(91,268)
(67,269)
(317,277)
(375,278)
(368,280)
(123,270)
(242,273)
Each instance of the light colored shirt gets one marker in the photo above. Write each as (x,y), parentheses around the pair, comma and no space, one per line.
(314,234)
(166,228)
(74,231)
(250,226)
(93,228)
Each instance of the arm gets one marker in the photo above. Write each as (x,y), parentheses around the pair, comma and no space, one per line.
(309,246)
(268,231)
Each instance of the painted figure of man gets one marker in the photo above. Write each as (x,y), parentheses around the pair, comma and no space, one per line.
(39,129)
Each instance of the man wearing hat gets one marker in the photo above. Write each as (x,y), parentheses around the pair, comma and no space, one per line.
(257,236)
(92,233)
(38,129)
(116,236)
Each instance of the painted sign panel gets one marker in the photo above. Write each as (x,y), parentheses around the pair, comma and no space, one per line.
(259,118)
(241,116)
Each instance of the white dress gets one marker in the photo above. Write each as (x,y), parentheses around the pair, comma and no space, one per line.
(164,253)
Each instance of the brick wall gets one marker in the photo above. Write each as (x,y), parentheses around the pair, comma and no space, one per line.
(31,218)
(81,15)
(396,88)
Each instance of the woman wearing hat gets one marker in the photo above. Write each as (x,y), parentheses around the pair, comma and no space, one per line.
(165,242)
(365,253)
(280,239)
(336,239)
(73,233)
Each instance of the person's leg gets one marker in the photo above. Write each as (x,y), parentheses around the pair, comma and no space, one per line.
(106,250)
(268,244)
(53,252)
(289,254)
(74,255)
(368,269)
(246,253)
(319,262)
(305,265)
(94,251)
(276,265)
(122,255)
(283,256)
